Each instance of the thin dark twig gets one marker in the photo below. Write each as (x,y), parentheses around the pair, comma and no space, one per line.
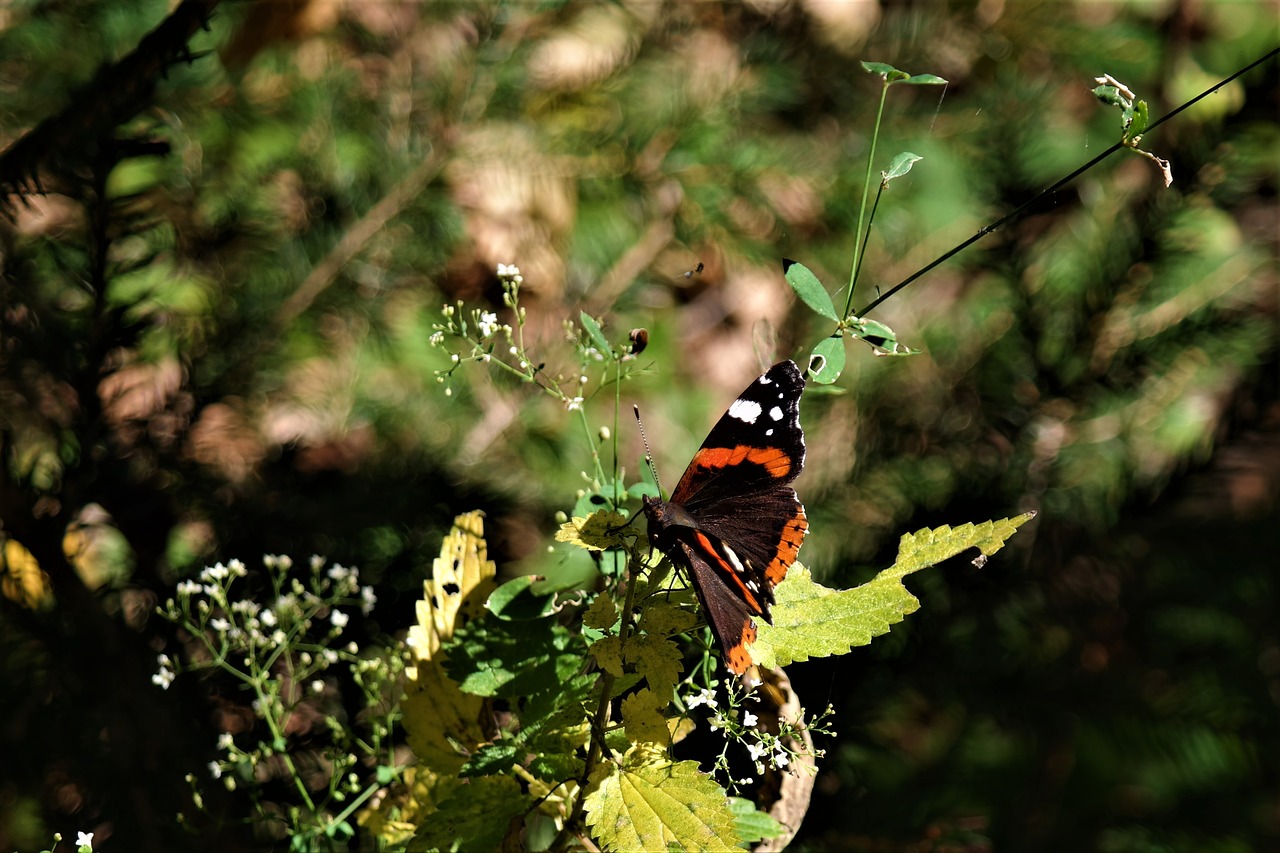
(1060,184)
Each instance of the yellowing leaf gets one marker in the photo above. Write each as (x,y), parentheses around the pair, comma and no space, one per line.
(810,620)
(651,803)
(596,532)
(658,660)
(477,816)
(437,714)
(608,653)
(642,718)
(602,613)
(664,619)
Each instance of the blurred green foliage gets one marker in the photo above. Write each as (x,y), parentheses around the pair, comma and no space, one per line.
(215,343)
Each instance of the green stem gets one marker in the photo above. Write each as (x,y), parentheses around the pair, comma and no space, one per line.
(866,191)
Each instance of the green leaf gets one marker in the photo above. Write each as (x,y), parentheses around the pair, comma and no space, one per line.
(490,657)
(809,289)
(900,166)
(752,824)
(651,803)
(490,759)
(925,80)
(885,70)
(810,620)
(826,363)
(1138,124)
(593,331)
(475,817)
(1110,95)
(882,339)
(530,597)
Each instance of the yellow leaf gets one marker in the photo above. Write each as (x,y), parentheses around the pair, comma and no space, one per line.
(597,532)
(642,718)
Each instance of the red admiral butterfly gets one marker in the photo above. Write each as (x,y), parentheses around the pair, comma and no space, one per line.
(733,523)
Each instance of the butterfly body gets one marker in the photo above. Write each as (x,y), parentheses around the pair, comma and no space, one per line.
(733,522)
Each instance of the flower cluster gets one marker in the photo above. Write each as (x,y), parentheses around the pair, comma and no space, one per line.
(278,645)
(237,631)
(740,725)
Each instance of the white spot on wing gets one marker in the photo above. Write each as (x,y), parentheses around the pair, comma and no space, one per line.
(733,559)
(745,410)
(775,413)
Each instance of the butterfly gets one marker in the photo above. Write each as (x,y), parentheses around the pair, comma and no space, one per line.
(733,523)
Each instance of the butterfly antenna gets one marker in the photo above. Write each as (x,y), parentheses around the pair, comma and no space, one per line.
(648,455)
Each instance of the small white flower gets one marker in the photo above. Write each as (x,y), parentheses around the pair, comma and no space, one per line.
(188,588)
(488,324)
(163,678)
(749,719)
(780,759)
(756,751)
(225,740)
(219,625)
(215,769)
(330,656)
(237,568)
(84,839)
(573,404)
(317,686)
(705,697)
(316,562)
(368,598)
(278,637)
(339,619)
(436,339)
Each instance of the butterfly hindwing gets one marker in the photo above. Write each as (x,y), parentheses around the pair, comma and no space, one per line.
(733,522)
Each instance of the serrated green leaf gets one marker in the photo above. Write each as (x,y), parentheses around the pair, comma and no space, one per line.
(752,824)
(900,166)
(826,363)
(650,803)
(809,289)
(475,817)
(490,657)
(593,331)
(490,759)
(810,620)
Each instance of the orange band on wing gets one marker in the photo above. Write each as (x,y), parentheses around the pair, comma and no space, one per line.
(736,653)
(773,459)
(788,547)
(727,572)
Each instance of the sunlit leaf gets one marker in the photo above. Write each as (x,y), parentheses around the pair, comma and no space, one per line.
(650,803)
(809,289)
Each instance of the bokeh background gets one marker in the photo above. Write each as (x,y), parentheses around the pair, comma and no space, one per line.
(225,245)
